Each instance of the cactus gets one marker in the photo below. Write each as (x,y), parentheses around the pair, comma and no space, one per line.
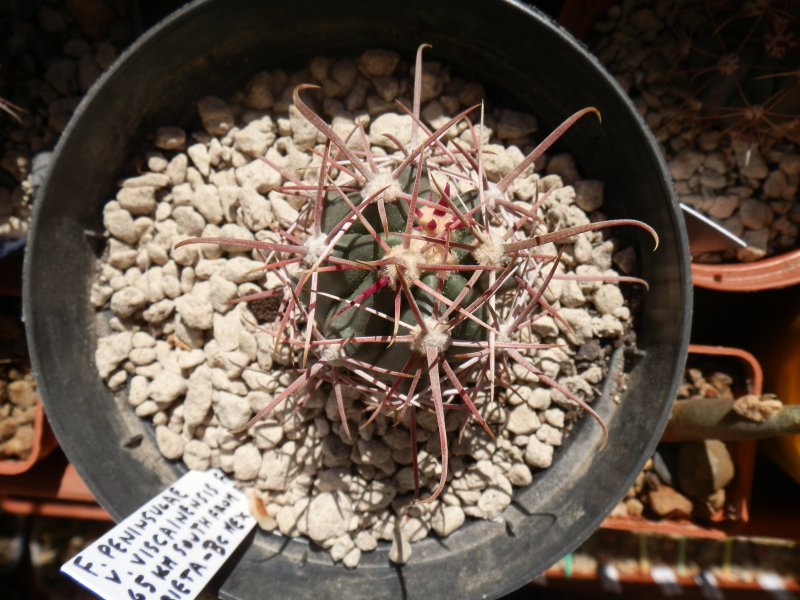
(409,280)
(736,67)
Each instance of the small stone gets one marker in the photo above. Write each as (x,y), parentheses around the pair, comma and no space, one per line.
(170,444)
(554,417)
(199,155)
(120,224)
(790,164)
(724,206)
(352,557)
(155,180)
(564,166)
(634,506)
(196,311)
(259,176)
(513,124)
(398,126)
(752,407)
(21,393)
(329,516)
(755,214)
(246,462)
(111,350)
(685,163)
(256,137)
(775,185)
(365,541)
(258,94)
(704,467)
(377,63)
(232,411)
(666,502)
(216,115)
(589,194)
(283,212)
(538,454)
(170,138)
(520,475)
(167,387)
(522,420)
(304,134)
(137,200)
(205,200)
(608,299)
(197,455)
(176,171)
(127,301)
(446,519)
(549,435)
(493,501)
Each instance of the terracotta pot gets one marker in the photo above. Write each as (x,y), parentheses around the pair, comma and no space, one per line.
(768,274)
(736,512)
(52,488)
(43,443)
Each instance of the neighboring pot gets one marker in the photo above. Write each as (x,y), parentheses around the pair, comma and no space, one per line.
(43,443)
(210,47)
(748,378)
(772,273)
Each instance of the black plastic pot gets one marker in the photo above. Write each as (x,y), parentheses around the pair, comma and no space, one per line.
(211,46)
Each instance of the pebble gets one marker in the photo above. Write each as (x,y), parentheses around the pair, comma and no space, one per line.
(329,516)
(170,444)
(167,387)
(197,455)
(246,462)
(231,410)
(216,115)
(666,502)
(378,62)
(522,420)
(538,454)
(704,467)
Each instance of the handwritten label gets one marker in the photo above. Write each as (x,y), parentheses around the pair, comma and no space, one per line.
(171,547)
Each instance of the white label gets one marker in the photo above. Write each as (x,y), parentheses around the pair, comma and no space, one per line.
(667,581)
(609,579)
(773,583)
(171,547)
(709,586)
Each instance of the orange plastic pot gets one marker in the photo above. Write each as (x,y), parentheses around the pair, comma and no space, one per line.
(51,488)
(767,274)
(736,512)
(43,443)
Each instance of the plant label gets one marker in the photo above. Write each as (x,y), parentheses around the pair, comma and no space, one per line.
(172,546)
